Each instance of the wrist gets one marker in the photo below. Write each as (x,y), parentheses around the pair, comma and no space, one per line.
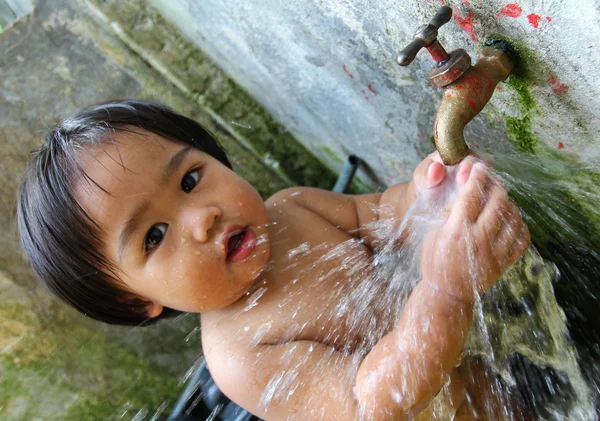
(464,298)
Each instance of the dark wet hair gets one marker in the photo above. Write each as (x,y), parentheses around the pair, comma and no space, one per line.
(62,241)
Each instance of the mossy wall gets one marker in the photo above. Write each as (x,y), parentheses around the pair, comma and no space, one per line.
(65,55)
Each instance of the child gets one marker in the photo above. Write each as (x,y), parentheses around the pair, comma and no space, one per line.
(129,210)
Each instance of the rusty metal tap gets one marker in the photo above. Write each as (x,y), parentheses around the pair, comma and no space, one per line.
(466,88)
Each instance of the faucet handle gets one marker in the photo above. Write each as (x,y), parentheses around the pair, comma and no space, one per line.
(449,66)
(425,36)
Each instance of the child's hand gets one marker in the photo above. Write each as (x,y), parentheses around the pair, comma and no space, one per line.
(483,235)
(429,173)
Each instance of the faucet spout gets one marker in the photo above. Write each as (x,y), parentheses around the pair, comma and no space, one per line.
(464,99)
(466,88)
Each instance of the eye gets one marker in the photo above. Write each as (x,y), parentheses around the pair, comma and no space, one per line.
(189,181)
(154,236)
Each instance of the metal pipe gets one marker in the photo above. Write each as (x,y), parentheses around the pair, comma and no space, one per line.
(464,99)
(347,174)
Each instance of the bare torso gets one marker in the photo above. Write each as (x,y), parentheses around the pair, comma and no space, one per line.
(314,266)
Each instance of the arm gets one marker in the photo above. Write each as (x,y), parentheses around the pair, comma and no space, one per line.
(329,385)
(483,235)
(354,213)
(408,366)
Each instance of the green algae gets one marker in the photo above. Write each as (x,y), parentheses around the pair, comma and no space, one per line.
(582,126)
(79,376)
(559,204)
(333,156)
(519,131)
(525,98)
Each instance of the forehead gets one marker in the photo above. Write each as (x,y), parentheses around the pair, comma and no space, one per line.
(113,163)
(125,146)
(120,172)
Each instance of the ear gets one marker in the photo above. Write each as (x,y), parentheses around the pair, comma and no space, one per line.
(153,309)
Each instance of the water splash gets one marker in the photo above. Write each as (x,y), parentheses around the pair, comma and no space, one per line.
(519,337)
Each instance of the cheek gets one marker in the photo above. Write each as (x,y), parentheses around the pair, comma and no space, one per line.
(200,276)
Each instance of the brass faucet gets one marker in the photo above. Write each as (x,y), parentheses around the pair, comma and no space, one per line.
(466,88)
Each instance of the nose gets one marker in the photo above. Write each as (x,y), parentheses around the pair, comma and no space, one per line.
(198,222)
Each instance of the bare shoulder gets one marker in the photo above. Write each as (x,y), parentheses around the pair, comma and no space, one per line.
(348,213)
(290,196)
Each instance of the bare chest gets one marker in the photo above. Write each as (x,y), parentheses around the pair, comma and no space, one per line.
(319,286)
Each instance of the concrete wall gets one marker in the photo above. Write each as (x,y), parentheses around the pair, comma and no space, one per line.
(55,364)
(327,70)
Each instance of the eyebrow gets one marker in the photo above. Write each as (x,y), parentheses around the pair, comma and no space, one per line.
(174,163)
(134,221)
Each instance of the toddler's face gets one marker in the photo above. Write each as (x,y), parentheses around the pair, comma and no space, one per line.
(186,231)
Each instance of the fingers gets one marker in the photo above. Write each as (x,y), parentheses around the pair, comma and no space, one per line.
(472,199)
(466,165)
(430,172)
(520,246)
(513,238)
(494,213)
(511,226)
(435,174)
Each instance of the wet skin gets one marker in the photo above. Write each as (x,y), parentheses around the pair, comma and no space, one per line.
(264,311)
(182,217)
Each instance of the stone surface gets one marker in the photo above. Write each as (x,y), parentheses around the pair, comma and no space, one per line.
(55,364)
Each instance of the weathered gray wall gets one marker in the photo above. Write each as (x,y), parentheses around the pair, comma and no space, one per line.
(54,363)
(327,70)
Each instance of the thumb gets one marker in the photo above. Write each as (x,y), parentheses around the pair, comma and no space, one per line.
(429,173)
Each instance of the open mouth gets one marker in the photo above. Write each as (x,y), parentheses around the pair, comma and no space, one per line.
(241,244)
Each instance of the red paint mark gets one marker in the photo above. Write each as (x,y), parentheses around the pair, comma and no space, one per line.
(465,2)
(512,10)
(476,146)
(499,88)
(347,72)
(548,18)
(370,87)
(466,23)
(471,103)
(558,87)
(534,20)
(561,145)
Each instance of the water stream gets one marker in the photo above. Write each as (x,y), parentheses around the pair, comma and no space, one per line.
(519,333)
